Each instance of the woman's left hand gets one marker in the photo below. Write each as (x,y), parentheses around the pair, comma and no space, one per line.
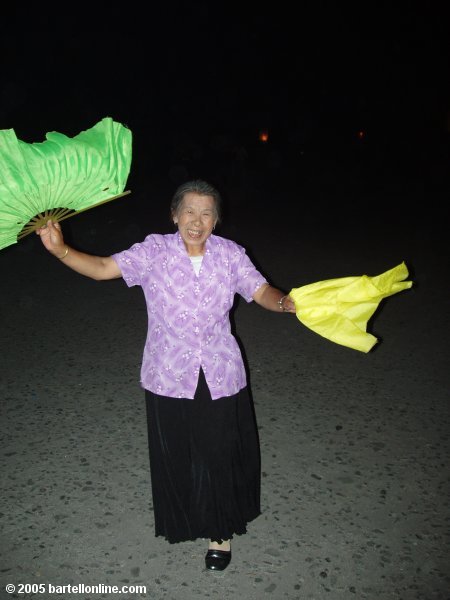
(288,304)
(271,298)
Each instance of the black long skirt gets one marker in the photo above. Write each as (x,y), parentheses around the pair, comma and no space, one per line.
(204,464)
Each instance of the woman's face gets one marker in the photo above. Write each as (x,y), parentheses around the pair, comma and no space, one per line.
(196,218)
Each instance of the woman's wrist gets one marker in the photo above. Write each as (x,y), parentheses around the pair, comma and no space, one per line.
(65,254)
(280,303)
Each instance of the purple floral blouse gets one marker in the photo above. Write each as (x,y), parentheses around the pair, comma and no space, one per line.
(188,314)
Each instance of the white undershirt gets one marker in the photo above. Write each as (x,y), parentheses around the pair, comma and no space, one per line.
(196,263)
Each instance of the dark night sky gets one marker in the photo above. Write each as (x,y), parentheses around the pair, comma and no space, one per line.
(199,70)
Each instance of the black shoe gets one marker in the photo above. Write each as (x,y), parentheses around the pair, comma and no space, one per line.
(217,560)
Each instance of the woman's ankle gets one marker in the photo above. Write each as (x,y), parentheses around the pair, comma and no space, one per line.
(225,545)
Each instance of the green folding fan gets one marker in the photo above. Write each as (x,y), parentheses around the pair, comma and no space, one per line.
(60,177)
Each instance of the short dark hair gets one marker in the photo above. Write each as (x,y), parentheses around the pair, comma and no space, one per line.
(197,186)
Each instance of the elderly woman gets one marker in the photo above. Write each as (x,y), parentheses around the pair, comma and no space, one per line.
(203,442)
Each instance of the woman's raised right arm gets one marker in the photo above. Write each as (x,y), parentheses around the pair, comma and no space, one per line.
(95,267)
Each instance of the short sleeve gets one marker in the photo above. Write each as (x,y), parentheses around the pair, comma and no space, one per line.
(134,262)
(249,279)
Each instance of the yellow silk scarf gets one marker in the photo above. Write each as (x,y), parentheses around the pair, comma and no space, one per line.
(339,309)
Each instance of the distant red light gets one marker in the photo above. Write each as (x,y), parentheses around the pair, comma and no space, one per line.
(361,134)
(264,136)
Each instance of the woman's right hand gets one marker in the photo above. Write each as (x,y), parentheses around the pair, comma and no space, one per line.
(52,238)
